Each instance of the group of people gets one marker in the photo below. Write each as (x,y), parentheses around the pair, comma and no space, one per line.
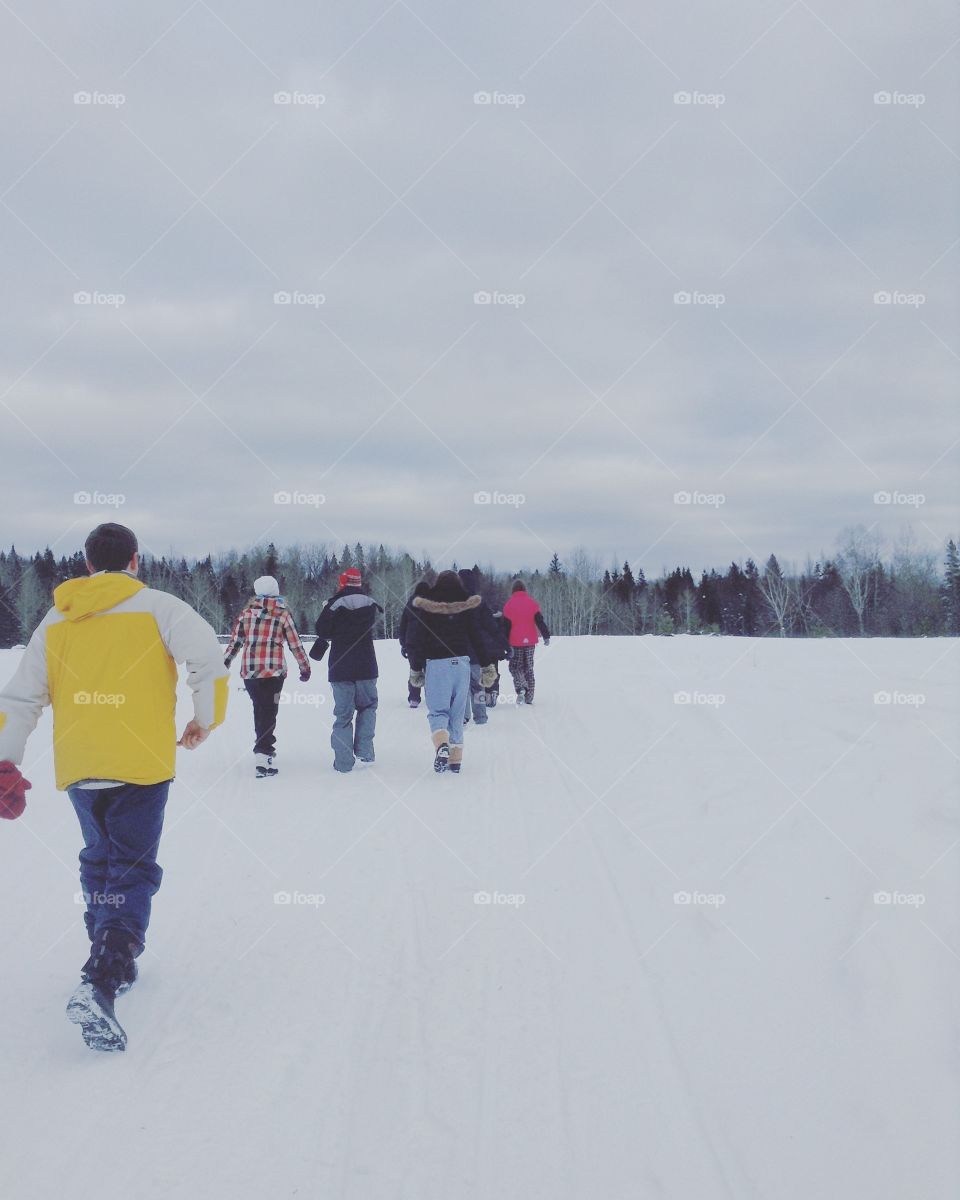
(105,659)
(451,637)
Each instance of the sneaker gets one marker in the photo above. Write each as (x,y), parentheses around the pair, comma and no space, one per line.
(413,703)
(442,757)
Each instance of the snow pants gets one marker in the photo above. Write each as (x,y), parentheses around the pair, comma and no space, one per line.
(447,691)
(119,873)
(349,743)
(521,668)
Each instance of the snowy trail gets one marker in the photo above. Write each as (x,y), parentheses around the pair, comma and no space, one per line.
(400,1040)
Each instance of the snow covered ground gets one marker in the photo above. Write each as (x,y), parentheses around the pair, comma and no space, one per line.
(782,1036)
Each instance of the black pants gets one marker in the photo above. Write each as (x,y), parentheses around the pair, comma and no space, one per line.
(265,694)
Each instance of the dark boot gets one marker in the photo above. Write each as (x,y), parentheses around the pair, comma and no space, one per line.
(109,967)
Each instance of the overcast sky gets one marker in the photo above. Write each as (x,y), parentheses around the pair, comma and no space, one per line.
(185,196)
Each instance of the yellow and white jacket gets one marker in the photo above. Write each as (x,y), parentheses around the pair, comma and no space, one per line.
(105,657)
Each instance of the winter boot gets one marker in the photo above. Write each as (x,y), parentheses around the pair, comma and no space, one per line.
(441,740)
(265,766)
(109,966)
(456,758)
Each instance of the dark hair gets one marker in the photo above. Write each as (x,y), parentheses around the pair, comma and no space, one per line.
(110,547)
(449,586)
(518,586)
(422,588)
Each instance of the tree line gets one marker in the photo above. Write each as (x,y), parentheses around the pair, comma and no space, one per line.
(855,593)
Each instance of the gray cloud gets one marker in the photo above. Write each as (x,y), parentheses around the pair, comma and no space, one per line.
(397,198)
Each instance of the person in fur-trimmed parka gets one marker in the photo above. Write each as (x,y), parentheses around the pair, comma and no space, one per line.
(443,638)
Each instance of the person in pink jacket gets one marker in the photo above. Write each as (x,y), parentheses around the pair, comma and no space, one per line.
(525,625)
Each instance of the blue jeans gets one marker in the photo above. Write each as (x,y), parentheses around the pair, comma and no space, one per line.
(360,697)
(447,690)
(478,696)
(121,829)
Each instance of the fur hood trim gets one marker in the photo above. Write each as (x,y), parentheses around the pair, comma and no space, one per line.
(446,608)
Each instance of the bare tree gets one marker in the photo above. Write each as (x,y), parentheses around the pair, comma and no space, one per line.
(777,592)
(859,566)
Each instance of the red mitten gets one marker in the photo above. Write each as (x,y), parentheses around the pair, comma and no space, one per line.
(13,791)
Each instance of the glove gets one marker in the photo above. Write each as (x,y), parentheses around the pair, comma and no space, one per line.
(488,676)
(305,675)
(417,678)
(546,641)
(404,652)
(507,654)
(13,791)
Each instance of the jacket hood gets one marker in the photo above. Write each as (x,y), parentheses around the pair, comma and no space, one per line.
(93,594)
(267,604)
(447,608)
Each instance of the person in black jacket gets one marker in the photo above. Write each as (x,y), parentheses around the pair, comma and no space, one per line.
(414,693)
(346,625)
(443,636)
(494,637)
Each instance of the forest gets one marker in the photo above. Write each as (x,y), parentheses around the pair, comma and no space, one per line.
(857,592)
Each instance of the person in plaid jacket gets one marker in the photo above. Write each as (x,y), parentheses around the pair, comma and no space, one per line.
(263,628)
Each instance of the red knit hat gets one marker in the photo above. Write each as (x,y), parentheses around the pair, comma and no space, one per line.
(350,578)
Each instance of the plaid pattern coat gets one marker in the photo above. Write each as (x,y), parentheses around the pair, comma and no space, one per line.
(263,628)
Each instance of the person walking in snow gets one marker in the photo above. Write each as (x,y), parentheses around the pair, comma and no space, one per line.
(525,623)
(105,658)
(445,635)
(493,638)
(346,625)
(414,691)
(263,628)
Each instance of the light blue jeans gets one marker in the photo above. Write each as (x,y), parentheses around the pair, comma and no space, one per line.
(358,697)
(478,696)
(447,692)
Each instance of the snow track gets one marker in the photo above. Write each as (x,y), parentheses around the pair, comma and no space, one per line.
(490,987)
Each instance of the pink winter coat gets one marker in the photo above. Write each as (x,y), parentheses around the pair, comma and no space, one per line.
(520,611)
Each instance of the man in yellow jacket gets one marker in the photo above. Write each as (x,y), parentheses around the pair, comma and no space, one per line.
(104,657)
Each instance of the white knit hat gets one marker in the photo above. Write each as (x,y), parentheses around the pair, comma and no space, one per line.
(266,585)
